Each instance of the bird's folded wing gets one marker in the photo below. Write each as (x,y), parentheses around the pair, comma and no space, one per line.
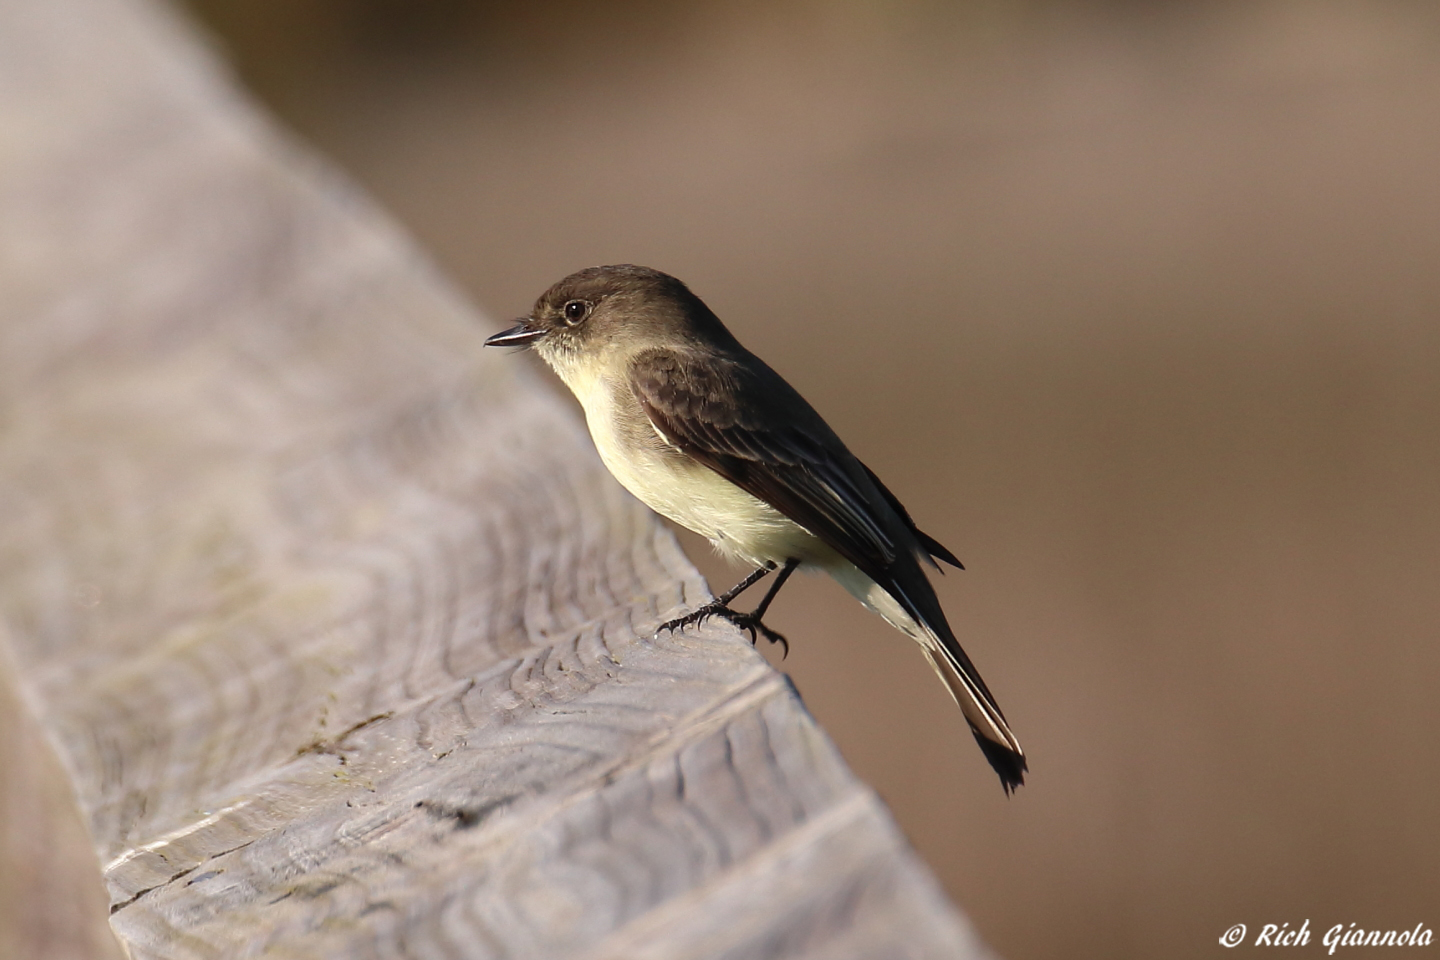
(752,428)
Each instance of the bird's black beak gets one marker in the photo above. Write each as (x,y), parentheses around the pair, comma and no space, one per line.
(520,335)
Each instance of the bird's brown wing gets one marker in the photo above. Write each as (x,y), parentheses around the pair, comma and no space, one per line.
(752,428)
(934,549)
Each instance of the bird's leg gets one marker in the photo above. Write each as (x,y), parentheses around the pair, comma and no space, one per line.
(789,568)
(739,588)
(750,622)
(720,604)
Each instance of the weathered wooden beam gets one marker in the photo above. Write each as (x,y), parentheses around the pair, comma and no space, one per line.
(342,633)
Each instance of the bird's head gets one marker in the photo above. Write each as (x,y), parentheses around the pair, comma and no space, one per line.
(609,309)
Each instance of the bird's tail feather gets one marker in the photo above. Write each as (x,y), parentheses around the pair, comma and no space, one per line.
(997,741)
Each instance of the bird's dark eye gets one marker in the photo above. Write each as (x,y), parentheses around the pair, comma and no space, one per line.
(575,311)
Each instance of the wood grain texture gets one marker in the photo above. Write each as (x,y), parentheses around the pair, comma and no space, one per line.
(342,631)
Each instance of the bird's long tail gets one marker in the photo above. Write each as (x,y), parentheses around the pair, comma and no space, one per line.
(997,741)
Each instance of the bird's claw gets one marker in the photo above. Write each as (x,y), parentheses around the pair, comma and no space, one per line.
(695,616)
(753,625)
(747,622)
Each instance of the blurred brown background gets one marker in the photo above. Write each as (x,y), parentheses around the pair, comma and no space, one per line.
(1135,305)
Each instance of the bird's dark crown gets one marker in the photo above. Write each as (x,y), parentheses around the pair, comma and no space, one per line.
(623,299)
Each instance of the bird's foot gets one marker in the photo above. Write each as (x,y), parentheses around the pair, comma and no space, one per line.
(752,624)
(749,622)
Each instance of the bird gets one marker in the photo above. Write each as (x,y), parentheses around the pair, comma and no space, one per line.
(705,433)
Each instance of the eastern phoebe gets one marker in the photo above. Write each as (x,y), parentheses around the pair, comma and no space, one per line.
(702,431)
